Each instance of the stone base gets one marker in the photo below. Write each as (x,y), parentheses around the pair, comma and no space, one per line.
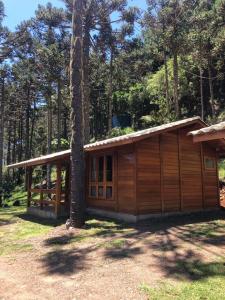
(45,213)
(134,219)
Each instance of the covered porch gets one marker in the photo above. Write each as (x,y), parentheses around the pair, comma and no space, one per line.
(47,184)
(214,136)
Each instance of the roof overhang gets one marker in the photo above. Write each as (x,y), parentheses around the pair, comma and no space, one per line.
(213,135)
(45,159)
(112,142)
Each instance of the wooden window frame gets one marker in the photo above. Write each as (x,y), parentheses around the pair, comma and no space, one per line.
(214,163)
(104,183)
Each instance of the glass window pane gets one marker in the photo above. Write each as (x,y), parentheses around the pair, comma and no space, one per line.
(100,191)
(93,191)
(209,163)
(100,168)
(93,169)
(109,168)
(108,192)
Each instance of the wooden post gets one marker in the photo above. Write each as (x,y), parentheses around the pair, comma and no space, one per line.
(180,168)
(29,184)
(203,177)
(115,180)
(218,180)
(58,187)
(135,179)
(67,187)
(161,173)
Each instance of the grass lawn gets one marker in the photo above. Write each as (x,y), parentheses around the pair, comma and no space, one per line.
(16,227)
(211,288)
(195,279)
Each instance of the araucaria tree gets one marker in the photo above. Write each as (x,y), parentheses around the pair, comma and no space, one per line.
(77,151)
(132,70)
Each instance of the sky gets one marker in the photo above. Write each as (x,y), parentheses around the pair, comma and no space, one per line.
(20,10)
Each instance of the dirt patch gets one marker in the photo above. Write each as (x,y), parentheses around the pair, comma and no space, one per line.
(108,260)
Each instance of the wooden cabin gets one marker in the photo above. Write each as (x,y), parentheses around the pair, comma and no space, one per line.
(160,170)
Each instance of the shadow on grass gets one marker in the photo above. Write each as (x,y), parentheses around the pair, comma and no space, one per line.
(42,221)
(4,222)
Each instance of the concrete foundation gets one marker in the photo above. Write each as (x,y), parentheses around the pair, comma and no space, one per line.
(134,219)
(45,213)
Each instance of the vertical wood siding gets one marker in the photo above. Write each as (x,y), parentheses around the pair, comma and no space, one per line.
(170,172)
(148,176)
(210,180)
(164,173)
(191,175)
(126,181)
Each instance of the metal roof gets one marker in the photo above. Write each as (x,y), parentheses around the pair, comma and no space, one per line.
(112,142)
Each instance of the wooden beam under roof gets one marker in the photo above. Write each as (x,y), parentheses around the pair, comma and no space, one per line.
(209,136)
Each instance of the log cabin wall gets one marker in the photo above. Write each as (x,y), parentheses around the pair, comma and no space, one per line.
(148,176)
(171,174)
(161,174)
(191,183)
(210,177)
(126,184)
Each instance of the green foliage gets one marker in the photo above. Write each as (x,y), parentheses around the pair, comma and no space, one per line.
(36,69)
(64,144)
(222,170)
(117,131)
(210,288)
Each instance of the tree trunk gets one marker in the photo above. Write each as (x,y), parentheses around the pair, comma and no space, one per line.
(13,159)
(77,208)
(65,117)
(110,92)
(86,89)
(32,129)
(2,111)
(8,159)
(49,138)
(27,124)
(166,83)
(59,112)
(201,93)
(20,149)
(175,84)
(211,88)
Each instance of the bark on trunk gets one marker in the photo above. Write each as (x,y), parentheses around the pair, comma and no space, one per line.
(77,153)
(201,93)
(27,122)
(59,130)
(32,128)
(65,117)
(2,111)
(13,159)
(86,89)
(175,84)
(110,92)
(8,159)
(49,138)
(212,104)
(166,83)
